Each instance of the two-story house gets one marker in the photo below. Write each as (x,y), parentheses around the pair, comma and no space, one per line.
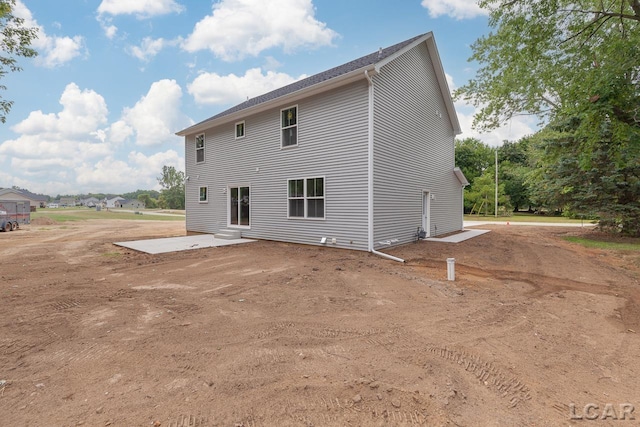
(359,156)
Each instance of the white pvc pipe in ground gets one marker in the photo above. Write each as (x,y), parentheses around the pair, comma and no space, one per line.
(451,269)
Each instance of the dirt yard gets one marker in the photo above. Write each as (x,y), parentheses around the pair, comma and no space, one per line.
(270,334)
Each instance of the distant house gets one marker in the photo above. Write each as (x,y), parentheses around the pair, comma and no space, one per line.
(68,201)
(111,203)
(35,200)
(130,204)
(360,156)
(90,202)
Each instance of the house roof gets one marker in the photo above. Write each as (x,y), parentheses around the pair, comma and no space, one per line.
(27,194)
(344,73)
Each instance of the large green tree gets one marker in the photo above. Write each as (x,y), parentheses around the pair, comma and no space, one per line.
(473,157)
(172,193)
(567,61)
(15,41)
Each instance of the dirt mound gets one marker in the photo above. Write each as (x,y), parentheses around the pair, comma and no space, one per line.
(43,221)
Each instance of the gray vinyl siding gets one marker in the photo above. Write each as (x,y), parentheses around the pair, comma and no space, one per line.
(332,143)
(413,151)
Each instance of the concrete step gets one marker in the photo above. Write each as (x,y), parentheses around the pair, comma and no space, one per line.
(227,234)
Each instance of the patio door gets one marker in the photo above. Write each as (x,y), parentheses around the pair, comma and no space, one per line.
(426,212)
(239,207)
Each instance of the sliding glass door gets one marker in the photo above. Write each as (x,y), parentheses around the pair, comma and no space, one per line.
(239,206)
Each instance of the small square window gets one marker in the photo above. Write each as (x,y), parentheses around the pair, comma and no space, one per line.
(240,130)
(203,195)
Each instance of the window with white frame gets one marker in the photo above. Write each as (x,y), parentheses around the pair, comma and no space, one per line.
(200,148)
(240,130)
(203,195)
(289,126)
(306,198)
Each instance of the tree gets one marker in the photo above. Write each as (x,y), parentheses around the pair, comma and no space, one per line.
(473,157)
(482,195)
(149,202)
(602,183)
(514,169)
(547,58)
(16,41)
(172,193)
(574,64)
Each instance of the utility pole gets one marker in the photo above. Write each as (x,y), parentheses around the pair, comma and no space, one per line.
(496,206)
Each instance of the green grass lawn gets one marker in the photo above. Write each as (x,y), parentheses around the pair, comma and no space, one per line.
(523,217)
(599,244)
(83,214)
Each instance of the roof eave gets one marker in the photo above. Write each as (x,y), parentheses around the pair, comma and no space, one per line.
(284,100)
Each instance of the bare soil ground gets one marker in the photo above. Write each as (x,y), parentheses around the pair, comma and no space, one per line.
(273,334)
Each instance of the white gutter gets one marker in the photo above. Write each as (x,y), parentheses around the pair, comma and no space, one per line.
(370,175)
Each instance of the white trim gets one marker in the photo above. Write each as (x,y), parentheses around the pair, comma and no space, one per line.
(204,145)
(244,129)
(426,195)
(282,128)
(371,94)
(307,198)
(228,194)
(206,187)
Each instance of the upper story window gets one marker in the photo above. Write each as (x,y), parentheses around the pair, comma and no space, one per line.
(289,126)
(306,198)
(200,148)
(240,130)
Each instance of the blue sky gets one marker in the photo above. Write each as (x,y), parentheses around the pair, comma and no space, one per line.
(97,110)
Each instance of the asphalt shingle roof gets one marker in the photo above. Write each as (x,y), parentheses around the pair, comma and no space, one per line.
(356,64)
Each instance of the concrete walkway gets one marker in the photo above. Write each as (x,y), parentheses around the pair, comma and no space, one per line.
(458,237)
(535,224)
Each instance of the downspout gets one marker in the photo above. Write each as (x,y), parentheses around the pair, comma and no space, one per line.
(370,175)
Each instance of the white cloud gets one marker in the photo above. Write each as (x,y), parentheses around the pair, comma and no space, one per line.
(211,88)
(53,50)
(107,26)
(138,168)
(150,47)
(77,150)
(155,117)
(240,28)
(140,8)
(458,9)
(82,112)
(514,130)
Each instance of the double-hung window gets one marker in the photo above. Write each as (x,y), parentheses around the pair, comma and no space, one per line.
(200,148)
(289,126)
(306,198)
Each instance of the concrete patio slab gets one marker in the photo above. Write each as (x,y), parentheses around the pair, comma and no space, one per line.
(458,237)
(176,244)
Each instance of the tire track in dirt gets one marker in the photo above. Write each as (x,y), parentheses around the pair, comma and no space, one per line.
(508,387)
(188,421)
(410,348)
